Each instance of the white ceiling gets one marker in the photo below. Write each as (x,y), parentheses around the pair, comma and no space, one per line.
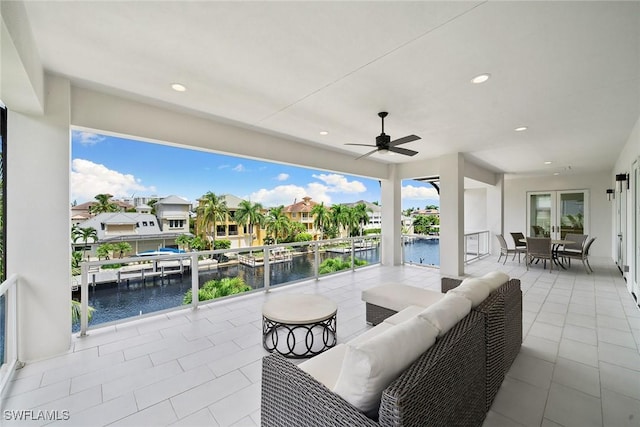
(570,71)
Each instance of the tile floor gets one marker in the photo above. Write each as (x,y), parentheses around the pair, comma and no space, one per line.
(579,364)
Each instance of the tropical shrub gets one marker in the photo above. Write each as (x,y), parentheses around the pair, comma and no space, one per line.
(104,250)
(222,244)
(372,231)
(303,237)
(331,265)
(217,289)
(76,308)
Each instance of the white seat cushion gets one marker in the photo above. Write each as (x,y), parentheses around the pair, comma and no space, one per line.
(447,312)
(475,290)
(372,365)
(326,366)
(406,314)
(495,279)
(397,297)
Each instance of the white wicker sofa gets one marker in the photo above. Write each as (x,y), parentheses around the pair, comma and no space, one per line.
(421,366)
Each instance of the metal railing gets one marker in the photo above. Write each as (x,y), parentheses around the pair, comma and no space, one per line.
(476,245)
(420,249)
(261,267)
(9,338)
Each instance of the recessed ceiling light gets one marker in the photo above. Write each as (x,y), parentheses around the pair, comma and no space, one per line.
(178,87)
(480,78)
(547,163)
(556,173)
(521,129)
(324,132)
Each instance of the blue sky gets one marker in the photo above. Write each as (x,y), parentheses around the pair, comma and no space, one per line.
(123,167)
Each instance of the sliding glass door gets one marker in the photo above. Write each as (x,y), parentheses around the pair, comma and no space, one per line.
(556,213)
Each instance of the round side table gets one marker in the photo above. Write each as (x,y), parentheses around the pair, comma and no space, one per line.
(299,326)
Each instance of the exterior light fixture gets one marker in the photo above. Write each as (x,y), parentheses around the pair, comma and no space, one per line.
(620,179)
(611,194)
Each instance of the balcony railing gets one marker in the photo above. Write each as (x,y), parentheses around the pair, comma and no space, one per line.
(476,245)
(425,250)
(153,284)
(9,330)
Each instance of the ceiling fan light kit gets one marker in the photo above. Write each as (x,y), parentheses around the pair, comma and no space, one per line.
(384,145)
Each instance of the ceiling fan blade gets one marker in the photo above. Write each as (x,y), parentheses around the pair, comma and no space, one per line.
(404,140)
(361,145)
(403,151)
(367,154)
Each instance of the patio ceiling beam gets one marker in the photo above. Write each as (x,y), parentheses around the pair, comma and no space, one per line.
(120,116)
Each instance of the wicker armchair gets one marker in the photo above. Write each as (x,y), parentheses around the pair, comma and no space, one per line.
(445,386)
(539,248)
(502,312)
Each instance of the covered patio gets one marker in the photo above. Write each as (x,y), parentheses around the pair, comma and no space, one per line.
(578,364)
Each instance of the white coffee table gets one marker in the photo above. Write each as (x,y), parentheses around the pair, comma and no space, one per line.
(299,325)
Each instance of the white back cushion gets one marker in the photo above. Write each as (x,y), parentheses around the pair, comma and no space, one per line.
(447,312)
(369,367)
(475,290)
(495,279)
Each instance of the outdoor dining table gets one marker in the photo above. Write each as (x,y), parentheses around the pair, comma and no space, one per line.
(555,245)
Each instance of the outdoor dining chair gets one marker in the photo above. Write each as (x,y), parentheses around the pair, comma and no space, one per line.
(520,244)
(539,248)
(504,249)
(583,255)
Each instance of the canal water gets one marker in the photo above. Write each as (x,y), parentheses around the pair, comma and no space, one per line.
(422,251)
(123,300)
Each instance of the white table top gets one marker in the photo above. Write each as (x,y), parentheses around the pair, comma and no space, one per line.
(298,308)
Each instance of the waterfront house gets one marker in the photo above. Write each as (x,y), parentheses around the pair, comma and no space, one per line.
(517,104)
(300,212)
(173,214)
(229,229)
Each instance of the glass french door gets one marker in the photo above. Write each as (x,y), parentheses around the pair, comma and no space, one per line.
(556,213)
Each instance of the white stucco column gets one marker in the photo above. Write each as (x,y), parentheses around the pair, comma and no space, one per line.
(452,215)
(391,218)
(495,213)
(38,222)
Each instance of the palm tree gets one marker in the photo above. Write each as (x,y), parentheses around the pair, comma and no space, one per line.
(104,204)
(340,216)
(361,215)
(278,223)
(321,218)
(122,248)
(84,234)
(250,214)
(183,240)
(212,209)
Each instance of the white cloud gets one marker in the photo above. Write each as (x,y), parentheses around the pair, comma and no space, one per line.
(419,193)
(282,177)
(89,179)
(287,194)
(318,191)
(239,168)
(87,138)
(340,184)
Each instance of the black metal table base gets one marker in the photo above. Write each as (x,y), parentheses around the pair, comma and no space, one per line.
(281,337)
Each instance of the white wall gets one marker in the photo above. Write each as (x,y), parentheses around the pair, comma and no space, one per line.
(629,154)
(600,218)
(38,218)
(475,209)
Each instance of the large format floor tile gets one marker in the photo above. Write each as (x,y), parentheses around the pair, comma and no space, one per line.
(579,363)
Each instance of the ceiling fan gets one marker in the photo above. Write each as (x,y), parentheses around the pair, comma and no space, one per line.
(385,145)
